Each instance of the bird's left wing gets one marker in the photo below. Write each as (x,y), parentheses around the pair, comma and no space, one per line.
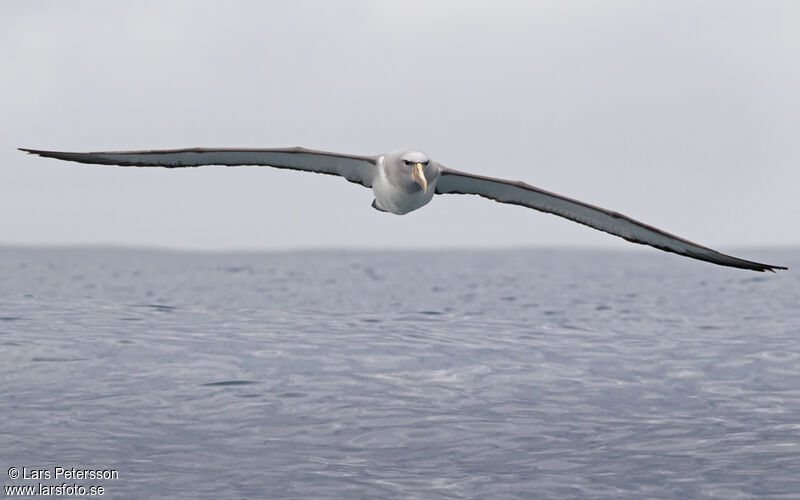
(357,169)
(519,193)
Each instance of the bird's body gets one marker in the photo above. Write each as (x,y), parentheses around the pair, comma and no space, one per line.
(397,193)
(406,180)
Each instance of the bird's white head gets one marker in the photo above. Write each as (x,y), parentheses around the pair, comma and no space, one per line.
(418,162)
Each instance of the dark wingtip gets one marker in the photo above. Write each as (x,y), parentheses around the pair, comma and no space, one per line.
(770,268)
(36,152)
(61,155)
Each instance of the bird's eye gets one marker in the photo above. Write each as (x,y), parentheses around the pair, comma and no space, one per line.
(407,162)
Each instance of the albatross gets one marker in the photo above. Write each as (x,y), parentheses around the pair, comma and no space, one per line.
(407,179)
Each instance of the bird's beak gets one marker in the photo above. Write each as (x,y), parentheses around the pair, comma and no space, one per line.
(419,177)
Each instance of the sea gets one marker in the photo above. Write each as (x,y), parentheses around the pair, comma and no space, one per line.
(432,374)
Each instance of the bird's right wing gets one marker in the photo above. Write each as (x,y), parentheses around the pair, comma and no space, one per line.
(519,193)
(357,169)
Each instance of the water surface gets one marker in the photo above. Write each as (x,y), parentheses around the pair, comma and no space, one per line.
(452,374)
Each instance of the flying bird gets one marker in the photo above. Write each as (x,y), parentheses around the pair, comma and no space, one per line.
(407,179)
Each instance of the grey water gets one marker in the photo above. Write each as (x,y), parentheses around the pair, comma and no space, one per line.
(529,373)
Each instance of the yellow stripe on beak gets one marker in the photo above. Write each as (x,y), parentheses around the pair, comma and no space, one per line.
(419,177)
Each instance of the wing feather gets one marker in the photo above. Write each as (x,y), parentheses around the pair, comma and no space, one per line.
(519,193)
(357,169)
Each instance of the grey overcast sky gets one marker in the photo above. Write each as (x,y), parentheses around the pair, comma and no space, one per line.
(682,114)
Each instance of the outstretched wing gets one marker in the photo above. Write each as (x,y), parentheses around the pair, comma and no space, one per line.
(358,169)
(519,193)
